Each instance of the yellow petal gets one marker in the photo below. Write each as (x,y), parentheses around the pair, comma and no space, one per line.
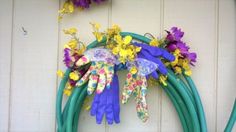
(98,36)
(175,62)
(122,60)
(127,40)
(60,73)
(71,8)
(115,50)
(66,46)
(188,72)
(162,80)
(74,76)
(133,70)
(154,42)
(62,11)
(59,18)
(72,44)
(67,92)
(123,53)
(69,87)
(138,49)
(116,28)
(118,39)
(178,70)
(70,31)
(177,52)
(81,50)
(97,26)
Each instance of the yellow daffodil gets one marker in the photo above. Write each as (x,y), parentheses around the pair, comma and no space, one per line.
(177,70)
(69,86)
(179,63)
(185,64)
(98,35)
(175,62)
(73,44)
(154,42)
(118,39)
(127,40)
(124,49)
(133,70)
(67,92)
(137,49)
(70,31)
(116,29)
(111,32)
(74,76)
(60,73)
(66,46)
(124,53)
(81,50)
(67,8)
(162,80)
(188,72)
(186,67)
(177,55)
(115,50)
(97,26)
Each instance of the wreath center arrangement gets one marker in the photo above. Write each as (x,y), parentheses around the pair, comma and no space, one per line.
(165,62)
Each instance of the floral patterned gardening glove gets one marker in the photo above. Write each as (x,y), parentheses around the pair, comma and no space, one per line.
(136,84)
(155,54)
(101,71)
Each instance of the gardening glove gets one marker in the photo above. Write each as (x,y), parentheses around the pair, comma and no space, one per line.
(107,103)
(101,71)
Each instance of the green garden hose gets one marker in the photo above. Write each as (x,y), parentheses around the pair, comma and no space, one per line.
(232,119)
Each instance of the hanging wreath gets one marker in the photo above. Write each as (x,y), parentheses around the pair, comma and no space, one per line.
(92,70)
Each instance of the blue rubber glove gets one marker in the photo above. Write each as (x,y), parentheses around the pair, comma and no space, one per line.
(151,53)
(107,103)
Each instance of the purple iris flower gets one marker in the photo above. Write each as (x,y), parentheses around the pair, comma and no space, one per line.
(173,38)
(84,3)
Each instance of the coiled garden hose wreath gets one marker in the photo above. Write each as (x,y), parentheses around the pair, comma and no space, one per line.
(171,72)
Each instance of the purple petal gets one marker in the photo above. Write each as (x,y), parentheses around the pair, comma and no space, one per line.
(171,47)
(170,37)
(182,46)
(98,1)
(82,3)
(67,58)
(192,57)
(178,34)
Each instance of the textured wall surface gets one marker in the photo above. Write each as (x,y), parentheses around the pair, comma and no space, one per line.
(31,42)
